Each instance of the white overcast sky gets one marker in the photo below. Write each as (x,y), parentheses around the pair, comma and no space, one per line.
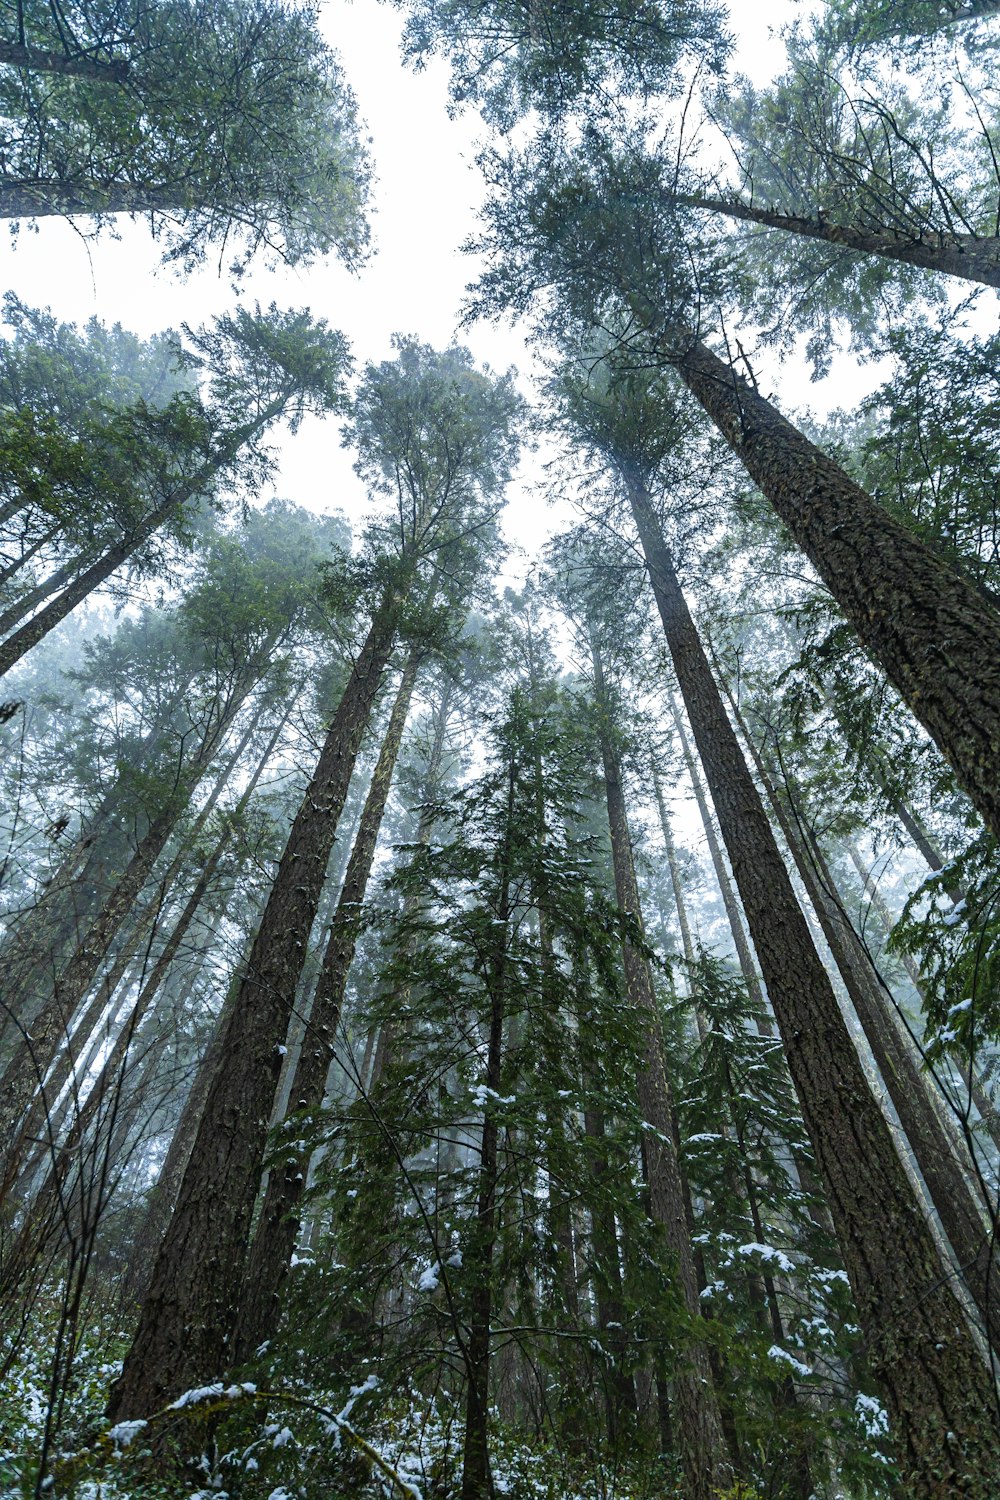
(426,194)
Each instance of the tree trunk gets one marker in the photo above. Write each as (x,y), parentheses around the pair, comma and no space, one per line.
(972,1078)
(972,257)
(38,60)
(40,936)
(729,901)
(687,946)
(921,1351)
(933,635)
(270,1254)
(698,1424)
(66,1060)
(99,571)
(477,1480)
(186,1325)
(26,1072)
(22,607)
(940,1152)
(15,567)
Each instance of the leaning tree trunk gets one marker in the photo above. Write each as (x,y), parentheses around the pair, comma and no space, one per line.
(67,1060)
(921,1350)
(185,1329)
(270,1254)
(729,901)
(27,1070)
(99,571)
(43,936)
(930,631)
(941,1155)
(67,64)
(698,1420)
(974,1082)
(25,603)
(972,257)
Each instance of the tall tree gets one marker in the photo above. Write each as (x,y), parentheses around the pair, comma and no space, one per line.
(439,438)
(231,128)
(888,1249)
(258,368)
(554,222)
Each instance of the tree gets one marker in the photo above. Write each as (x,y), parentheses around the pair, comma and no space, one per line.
(258,369)
(844,1121)
(231,129)
(439,437)
(513,56)
(554,223)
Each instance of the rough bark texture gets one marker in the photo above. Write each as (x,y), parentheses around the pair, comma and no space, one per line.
(922,1355)
(270,1255)
(938,1148)
(729,901)
(697,1421)
(932,633)
(971,256)
(186,1324)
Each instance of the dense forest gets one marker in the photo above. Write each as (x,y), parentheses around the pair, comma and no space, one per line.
(487,1020)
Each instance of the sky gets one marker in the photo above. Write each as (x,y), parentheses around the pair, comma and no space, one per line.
(425,199)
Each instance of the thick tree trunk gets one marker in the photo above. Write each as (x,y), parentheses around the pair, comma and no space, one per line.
(938,1149)
(969,256)
(933,635)
(270,1254)
(729,901)
(142,1256)
(921,1351)
(22,607)
(186,1324)
(697,1420)
(51,197)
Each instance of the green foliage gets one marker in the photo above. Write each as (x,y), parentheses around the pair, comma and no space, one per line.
(510,57)
(234,131)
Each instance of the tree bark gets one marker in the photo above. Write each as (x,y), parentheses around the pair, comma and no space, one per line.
(972,257)
(729,901)
(270,1254)
(938,1149)
(38,60)
(697,1418)
(921,1351)
(186,1325)
(933,635)
(99,571)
